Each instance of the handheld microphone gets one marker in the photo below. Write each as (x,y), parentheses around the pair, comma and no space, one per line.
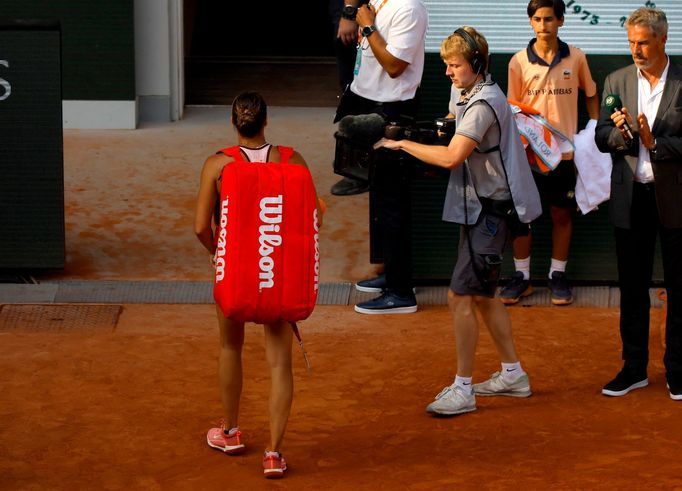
(366,128)
(613,103)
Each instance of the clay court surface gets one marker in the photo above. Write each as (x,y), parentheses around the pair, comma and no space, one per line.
(128,407)
(123,399)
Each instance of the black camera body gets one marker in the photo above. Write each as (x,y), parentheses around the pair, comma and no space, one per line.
(355,155)
(446,126)
(437,132)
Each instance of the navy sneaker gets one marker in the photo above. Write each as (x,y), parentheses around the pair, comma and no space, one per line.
(625,381)
(675,391)
(515,289)
(560,291)
(372,285)
(388,303)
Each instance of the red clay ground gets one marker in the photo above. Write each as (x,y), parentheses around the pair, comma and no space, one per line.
(129,408)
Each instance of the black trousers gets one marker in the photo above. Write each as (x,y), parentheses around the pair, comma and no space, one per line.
(390,190)
(345,53)
(635,249)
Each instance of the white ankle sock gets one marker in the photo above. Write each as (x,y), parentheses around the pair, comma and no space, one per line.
(512,371)
(464,383)
(523,265)
(557,265)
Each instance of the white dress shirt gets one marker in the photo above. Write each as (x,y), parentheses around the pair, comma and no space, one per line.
(648,101)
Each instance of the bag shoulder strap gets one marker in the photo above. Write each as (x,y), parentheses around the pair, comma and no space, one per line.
(234,152)
(285,153)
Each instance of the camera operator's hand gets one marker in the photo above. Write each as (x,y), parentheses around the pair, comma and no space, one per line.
(386,143)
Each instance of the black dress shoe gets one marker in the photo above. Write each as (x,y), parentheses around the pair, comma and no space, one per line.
(625,381)
(348,187)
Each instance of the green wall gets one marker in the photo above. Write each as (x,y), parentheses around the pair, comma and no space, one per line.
(31,168)
(98,48)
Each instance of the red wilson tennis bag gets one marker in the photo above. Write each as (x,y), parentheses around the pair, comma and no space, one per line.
(267,257)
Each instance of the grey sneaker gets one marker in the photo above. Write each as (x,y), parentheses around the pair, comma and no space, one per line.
(497,386)
(452,400)
(516,288)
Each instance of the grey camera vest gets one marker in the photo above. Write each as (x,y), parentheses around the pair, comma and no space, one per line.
(524,193)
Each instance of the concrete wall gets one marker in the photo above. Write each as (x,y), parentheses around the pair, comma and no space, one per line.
(153,59)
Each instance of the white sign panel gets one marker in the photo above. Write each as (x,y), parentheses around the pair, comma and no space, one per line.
(595,27)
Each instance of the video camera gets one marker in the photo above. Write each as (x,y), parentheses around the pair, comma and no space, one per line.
(357,134)
(437,132)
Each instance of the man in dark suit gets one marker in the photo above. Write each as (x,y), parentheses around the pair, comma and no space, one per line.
(644,138)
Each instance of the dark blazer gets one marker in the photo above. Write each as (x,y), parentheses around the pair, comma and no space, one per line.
(666,163)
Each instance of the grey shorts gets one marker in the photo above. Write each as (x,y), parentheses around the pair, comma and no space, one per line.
(489,237)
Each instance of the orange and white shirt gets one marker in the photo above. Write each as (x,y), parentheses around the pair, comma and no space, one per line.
(551,89)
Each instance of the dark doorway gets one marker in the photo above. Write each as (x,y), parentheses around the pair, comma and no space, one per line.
(285,52)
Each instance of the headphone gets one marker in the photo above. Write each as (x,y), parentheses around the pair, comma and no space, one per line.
(477,60)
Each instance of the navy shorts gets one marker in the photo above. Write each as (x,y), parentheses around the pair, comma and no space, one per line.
(489,237)
(557,188)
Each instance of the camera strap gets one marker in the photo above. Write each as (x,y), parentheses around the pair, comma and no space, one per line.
(516,227)
(467,227)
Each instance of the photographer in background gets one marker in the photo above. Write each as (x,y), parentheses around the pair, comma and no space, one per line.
(388,71)
(342,14)
(346,32)
(491,190)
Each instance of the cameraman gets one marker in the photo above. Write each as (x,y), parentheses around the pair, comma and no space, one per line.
(388,71)
(491,190)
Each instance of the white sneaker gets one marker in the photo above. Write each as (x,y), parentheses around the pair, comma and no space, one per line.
(675,396)
(496,385)
(453,400)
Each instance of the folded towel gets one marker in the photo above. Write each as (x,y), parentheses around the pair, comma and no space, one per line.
(593,185)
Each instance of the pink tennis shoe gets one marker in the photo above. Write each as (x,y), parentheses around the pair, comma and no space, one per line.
(273,465)
(229,442)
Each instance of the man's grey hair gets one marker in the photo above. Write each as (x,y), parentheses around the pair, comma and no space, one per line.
(654,19)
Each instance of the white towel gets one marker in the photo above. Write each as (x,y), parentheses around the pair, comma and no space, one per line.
(593,185)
